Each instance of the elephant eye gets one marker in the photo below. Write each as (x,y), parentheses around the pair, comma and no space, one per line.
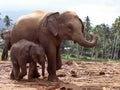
(70,27)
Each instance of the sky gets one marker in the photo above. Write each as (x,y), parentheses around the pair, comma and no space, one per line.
(99,11)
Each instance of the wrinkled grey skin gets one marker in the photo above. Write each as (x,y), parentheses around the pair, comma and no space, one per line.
(6,35)
(24,52)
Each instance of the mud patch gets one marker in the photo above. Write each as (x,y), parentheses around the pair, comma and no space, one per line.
(73,76)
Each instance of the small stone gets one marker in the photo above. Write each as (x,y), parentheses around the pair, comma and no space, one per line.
(69,89)
(61,75)
(101,73)
(62,88)
(73,74)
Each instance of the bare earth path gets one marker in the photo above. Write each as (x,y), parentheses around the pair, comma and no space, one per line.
(73,76)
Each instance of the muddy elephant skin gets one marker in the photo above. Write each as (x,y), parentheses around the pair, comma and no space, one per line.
(24,52)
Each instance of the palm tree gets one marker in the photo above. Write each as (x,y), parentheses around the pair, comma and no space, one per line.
(7,21)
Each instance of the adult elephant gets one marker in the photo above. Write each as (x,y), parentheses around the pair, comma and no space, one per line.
(5,35)
(49,30)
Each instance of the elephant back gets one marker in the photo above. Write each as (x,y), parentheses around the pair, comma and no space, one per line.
(27,26)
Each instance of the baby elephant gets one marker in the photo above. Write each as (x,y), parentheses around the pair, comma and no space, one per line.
(24,52)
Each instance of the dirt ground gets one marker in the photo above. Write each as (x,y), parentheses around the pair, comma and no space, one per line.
(73,76)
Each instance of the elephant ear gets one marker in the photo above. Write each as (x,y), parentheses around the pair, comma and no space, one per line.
(31,50)
(32,53)
(50,22)
(27,49)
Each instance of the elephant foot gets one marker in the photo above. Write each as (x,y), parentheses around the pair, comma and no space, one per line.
(12,77)
(36,75)
(53,78)
(31,79)
(18,79)
(58,67)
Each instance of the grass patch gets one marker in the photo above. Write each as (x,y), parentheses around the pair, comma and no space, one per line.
(74,57)
(86,58)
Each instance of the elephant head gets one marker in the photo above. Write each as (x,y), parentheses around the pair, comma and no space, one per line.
(5,35)
(68,26)
(37,53)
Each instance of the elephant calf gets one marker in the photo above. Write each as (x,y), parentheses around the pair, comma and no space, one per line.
(24,52)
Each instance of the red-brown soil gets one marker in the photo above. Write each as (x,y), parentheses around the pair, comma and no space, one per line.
(73,76)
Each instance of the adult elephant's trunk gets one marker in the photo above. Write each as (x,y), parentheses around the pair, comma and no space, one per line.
(83,42)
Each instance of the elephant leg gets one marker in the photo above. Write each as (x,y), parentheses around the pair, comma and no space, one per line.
(51,55)
(4,54)
(15,71)
(36,73)
(5,51)
(23,71)
(58,59)
(12,76)
(31,70)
